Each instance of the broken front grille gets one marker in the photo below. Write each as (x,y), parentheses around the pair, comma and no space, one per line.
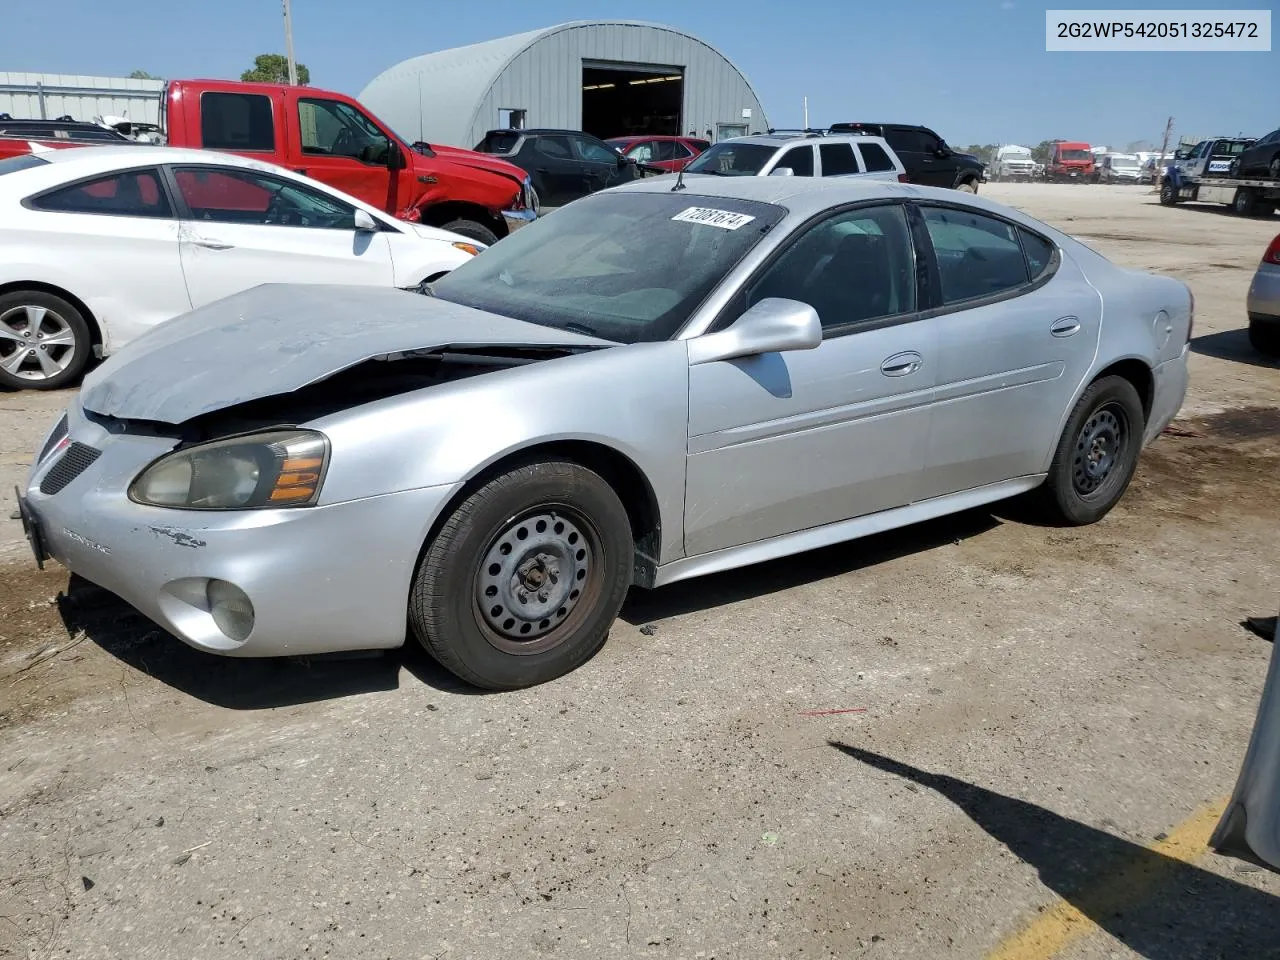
(72,463)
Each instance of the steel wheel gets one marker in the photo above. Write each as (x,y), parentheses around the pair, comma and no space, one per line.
(36,343)
(1100,445)
(533,577)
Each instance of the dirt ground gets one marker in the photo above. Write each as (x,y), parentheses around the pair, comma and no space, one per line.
(1042,706)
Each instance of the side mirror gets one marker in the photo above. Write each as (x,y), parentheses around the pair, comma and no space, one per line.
(364,222)
(771,326)
(782,172)
(395,156)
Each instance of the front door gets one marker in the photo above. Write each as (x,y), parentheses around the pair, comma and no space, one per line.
(600,164)
(241,228)
(338,145)
(557,175)
(1017,337)
(787,441)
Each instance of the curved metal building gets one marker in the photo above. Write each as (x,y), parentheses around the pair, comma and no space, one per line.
(608,77)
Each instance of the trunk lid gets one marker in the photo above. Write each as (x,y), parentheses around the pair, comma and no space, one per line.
(277,338)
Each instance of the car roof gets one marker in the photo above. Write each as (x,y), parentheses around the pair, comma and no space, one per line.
(126,155)
(652,136)
(779,139)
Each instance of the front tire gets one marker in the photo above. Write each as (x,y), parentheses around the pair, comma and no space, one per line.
(969,186)
(522,583)
(1245,202)
(472,231)
(1096,454)
(44,341)
(1168,192)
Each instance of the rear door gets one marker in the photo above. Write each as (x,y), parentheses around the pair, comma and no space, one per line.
(838,160)
(1017,329)
(557,175)
(241,228)
(799,159)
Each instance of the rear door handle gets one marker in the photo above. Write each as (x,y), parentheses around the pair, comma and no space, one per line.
(901,364)
(211,244)
(1065,327)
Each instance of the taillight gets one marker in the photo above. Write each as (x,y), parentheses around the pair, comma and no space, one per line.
(1273,252)
(1191,310)
(902,178)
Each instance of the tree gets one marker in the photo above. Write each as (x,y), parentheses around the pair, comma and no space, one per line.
(143,75)
(274,68)
(1042,151)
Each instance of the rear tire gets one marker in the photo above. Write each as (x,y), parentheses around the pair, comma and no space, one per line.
(1274,168)
(472,231)
(1245,202)
(44,341)
(1096,454)
(1265,338)
(523,581)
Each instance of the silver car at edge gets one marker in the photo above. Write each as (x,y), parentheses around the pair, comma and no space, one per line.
(662,380)
(1263,302)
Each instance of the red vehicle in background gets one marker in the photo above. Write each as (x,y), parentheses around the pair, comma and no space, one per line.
(1069,160)
(330,137)
(670,153)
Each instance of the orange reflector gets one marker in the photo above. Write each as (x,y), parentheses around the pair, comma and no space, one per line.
(297,479)
(287,494)
(294,464)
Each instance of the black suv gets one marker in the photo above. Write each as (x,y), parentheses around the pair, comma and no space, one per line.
(564,164)
(59,130)
(926,156)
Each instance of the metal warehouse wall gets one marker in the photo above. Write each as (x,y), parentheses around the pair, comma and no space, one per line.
(453,96)
(48,95)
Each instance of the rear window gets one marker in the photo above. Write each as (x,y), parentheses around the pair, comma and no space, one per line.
(837,159)
(498,142)
(874,156)
(236,122)
(24,161)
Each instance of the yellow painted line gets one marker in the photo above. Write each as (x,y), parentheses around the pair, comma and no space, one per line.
(1064,923)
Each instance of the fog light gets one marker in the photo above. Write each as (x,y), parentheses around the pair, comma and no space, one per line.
(231,609)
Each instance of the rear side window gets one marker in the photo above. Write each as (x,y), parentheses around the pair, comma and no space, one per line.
(133,193)
(237,122)
(1038,250)
(799,159)
(978,256)
(498,143)
(557,147)
(838,159)
(875,158)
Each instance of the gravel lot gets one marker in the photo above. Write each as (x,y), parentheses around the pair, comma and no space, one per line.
(1041,706)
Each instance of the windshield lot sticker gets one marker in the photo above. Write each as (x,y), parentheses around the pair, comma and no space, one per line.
(725,219)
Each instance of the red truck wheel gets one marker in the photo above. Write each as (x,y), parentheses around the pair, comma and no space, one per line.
(472,231)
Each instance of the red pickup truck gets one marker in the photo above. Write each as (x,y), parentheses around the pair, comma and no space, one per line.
(332,138)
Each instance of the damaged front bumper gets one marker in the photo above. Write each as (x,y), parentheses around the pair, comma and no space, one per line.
(329,578)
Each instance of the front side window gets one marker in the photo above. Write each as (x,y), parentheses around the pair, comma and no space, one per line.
(224,195)
(875,158)
(627,267)
(799,159)
(853,267)
(904,141)
(837,159)
(731,159)
(593,152)
(236,122)
(642,152)
(978,256)
(133,193)
(334,128)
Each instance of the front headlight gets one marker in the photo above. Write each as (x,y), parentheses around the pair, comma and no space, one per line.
(471,248)
(278,468)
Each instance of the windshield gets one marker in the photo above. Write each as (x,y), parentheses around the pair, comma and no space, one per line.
(1123,160)
(729,159)
(627,267)
(23,161)
(1076,155)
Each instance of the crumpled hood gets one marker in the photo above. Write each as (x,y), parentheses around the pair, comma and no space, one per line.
(481,161)
(277,338)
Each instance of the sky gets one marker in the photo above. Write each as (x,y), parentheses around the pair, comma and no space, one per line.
(976,71)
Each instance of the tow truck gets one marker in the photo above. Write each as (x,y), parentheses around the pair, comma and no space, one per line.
(1203,175)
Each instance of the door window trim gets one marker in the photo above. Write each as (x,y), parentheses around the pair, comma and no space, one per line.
(920,233)
(736,304)
(29,202)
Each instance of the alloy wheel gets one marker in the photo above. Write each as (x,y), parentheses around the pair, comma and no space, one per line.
(36,343)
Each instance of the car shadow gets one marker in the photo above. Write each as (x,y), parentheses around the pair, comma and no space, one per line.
(1231,345)
(233,682)
(1160,907)
(762,579)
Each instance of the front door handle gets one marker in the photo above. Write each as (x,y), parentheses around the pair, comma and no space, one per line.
(901,364)
(211,244)
(1065,327)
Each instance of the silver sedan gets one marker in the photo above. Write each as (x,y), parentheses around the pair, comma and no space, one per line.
(660,381)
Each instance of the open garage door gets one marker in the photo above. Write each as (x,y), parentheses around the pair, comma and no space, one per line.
(625,99)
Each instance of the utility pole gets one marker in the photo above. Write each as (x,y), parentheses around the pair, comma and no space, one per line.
(806,113)
(1164,149)
(288,45)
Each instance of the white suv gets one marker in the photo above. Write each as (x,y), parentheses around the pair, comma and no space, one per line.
(803,154)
